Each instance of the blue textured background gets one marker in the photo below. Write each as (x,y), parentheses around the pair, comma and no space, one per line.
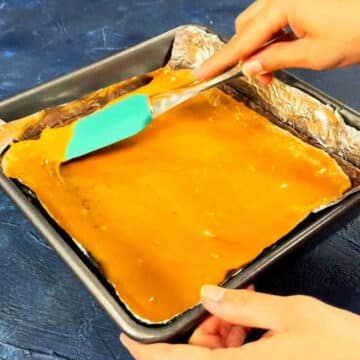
(45,313)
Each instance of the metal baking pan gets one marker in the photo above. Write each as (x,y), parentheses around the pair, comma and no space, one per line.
(143,58)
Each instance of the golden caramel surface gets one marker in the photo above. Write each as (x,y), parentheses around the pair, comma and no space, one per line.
(204,189)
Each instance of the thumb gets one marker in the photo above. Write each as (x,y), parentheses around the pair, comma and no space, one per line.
(248,308)
(281,55)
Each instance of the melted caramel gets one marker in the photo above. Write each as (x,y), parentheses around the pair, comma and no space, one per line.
(204,189)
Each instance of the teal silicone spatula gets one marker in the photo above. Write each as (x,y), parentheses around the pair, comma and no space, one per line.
(131,115)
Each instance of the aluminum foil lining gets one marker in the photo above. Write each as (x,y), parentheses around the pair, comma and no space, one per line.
(305,114)
(192,46)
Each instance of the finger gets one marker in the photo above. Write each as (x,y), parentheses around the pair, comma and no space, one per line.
(210,325)
(228,55)
(224,329)
(164,351)
(208,334)
(270,22)
(259,30)
(236,336)
(214,325)
(288,54)
(256,67)
(247,15)
(246,308)
(265,349)
(269,349)
(250,287)
(213,332)
(207,340)
(229,336)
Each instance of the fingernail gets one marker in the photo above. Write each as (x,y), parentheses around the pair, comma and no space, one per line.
(212,293)
(252,67)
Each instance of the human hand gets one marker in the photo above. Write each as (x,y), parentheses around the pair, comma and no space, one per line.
(327,36)
(215,332)
(298,327)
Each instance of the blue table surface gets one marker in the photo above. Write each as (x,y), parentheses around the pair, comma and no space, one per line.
(45,312)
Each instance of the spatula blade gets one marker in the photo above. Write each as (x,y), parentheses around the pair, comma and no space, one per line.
(110,125)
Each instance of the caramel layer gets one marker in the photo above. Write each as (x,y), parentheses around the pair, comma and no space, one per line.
(204,189)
